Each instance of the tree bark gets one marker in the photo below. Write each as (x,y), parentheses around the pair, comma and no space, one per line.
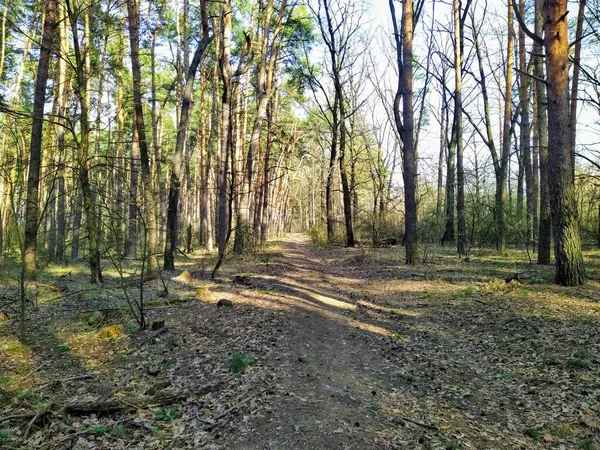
(182,128)
(35,153)
(405,124)
(570,270)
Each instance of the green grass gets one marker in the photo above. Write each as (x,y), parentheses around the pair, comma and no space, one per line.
(63,348)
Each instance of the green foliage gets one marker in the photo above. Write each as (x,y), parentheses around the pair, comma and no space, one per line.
(500,286)
(317,235)
(119,430)
(452,446)
(533,433)
(167,414)
(133,330)
(376,407)
(25,394)
(238,362)
(588,444)
(578,363)
(469,291)
(3,435)
(95,319)
(98,431)
(63,348)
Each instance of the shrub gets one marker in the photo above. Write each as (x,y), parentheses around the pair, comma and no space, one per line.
(238,362)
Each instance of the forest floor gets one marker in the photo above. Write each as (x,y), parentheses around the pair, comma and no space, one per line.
(321,348)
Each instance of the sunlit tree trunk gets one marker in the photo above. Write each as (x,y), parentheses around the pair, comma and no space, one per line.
(545,222)
(570,270)
(404,121)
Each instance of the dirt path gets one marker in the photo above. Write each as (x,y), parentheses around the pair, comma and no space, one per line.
(375,357)
(329,376)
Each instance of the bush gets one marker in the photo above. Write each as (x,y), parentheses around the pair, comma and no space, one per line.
(238,362)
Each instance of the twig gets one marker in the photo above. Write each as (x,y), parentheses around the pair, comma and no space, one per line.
(34,370)
(20,416)
(40,412)
(226,412)
(119,386)
(64,380)
(421,424)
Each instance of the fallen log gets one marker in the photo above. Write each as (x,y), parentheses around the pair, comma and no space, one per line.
(126,404)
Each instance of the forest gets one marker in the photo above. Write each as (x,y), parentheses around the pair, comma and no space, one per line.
(311,224)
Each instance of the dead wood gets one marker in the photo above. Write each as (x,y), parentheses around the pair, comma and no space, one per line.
(123,405)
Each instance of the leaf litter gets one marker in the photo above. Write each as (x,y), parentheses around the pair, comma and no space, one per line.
(320,349)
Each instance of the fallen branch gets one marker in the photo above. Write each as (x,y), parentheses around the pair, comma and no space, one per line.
(123,405)
(421,424)
(64,380)
(119,386)
(40,413)
(21,416)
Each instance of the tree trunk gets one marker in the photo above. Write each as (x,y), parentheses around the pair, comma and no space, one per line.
(502,166)
(458,129)
(33,178)
(182,129)
(405,124)
(525,132)
(570,270)
(545,222)
(149,221)
(131,240)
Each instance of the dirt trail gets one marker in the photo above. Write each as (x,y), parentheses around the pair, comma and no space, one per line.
(329,376)
(377,355)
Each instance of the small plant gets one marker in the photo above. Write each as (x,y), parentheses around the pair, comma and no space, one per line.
(564,430)
(112,332)
(578,363)
(98,431)
(3,435)
(238,362)
(95,319)
(469,291)
(588,444)
(24,395)
(63,348)
(533,433)
(497,286)
(375,407)
(167,414)
(119,430)
(399,336)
